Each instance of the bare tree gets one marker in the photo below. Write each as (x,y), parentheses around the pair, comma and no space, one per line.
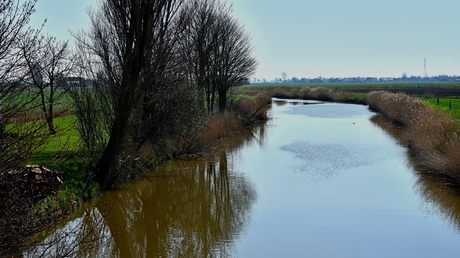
(219,52)
(48,65)
(197,47)
(233,60)
(121,47)
(19,140)
(284,76)
(170,109)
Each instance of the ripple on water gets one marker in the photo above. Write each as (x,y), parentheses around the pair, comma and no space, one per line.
(323,161)
(328,110)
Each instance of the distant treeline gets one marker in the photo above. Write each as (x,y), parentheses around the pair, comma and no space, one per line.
(404,78)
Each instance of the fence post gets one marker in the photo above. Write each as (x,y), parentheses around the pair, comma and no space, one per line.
(450,105)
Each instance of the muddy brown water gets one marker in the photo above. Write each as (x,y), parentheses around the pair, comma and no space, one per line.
(318,180)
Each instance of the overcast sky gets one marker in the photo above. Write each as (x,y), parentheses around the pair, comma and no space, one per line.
(328,38)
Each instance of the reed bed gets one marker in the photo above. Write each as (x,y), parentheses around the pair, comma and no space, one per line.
(219,126)
(319,93)
(433,136)
(239,116)
(251,110)
(283,93)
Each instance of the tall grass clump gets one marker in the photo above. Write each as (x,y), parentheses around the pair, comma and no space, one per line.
(433,136)
(283,93)
(399,107)
(219,126)
(251,110)
(318,93)
(239,115)
(242,112)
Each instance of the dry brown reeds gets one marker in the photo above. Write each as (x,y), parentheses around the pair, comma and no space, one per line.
(283,93)
(240,114)
(250,92)
(319,93)
(252,110)
(34,116)
(219,126)
(431,135)
(398,106)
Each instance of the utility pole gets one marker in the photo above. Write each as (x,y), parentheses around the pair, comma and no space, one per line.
(424,68)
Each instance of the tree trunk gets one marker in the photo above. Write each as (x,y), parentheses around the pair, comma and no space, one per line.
(105,170)
(49,121)
(222,99)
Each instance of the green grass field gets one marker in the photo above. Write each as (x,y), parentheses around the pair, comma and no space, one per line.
(63,153)
(450,105)
(356,86)
(30,100)
(66,139)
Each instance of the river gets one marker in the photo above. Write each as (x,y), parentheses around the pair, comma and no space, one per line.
(317,180)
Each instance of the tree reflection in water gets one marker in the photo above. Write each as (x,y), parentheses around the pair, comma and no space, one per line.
(185,209)
(439,198)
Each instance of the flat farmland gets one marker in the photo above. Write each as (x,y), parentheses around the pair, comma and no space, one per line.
(427,89)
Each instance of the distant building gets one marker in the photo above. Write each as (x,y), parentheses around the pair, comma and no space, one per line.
(386,79)
(76,81)
(371,79)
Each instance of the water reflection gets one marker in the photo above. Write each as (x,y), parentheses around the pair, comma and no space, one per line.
(79,237)
(279,103)
(325,160)
(444,199)
(328,110)
(283,102)
(393,130)
(191,208)
(322,177)
(438,197)
(232,145)
(188,209)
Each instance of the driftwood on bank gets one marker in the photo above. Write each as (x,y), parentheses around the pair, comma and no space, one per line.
(20,191)
(31,181)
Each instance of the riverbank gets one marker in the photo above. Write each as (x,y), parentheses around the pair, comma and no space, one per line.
(307,93)
(340,183)
(431,134)
(63,153)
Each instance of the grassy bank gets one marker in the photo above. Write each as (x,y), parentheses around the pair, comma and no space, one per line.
(63,152)
(432,135)
(450,105)
(429,133)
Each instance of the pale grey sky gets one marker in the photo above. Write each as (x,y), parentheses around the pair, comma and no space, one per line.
(329,38)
